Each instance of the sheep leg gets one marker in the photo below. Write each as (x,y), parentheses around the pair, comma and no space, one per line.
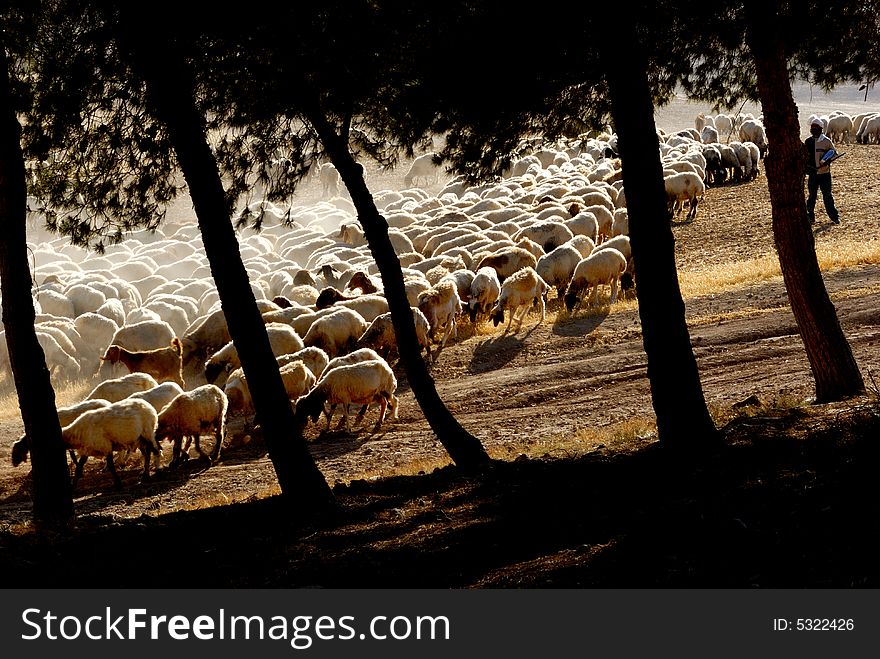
(594,296)
(383,407)
(392,402)
(345,418)
(614,289)
(179,455)
(510,320)
(330,414)
(199,450)
(146,451)
(344,413)
(218,439)
(522,317)
(80,463)
(360,417)
(112,469)
(692,214)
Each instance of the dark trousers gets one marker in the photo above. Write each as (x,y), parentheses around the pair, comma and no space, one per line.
(816,182)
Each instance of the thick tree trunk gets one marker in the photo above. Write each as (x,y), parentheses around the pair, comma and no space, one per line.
(683,420)
(52,493)
(172,95)
(834,368)
(464,449)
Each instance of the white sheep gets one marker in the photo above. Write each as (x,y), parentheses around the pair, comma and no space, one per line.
(557,267)
(584,224)
(56,303)
(85,298)
(119,388)
(422,167)
(582,244)
(752,130)
(462,280)
(485,290)
(681,187)
(112,309)
(604,266)
(335,333)
(620,226)
(124,425)
(380,335)
(282,339)
(356,384)
(367,306)
(440,304)
(66,416)
(329,178)
(724,124)
(160,395)
(709,135)
(869,131)
(298,379)
(548,234)
(507,261)
(189,415)
(522,289)
(313,357)
(146,335)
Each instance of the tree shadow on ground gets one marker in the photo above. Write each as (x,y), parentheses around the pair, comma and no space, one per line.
(788,501)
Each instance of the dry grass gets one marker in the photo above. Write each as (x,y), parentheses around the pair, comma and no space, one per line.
(754,407)
(564,445)
(832,255)
(65,394)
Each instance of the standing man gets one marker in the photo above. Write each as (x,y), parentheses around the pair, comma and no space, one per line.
(819,146)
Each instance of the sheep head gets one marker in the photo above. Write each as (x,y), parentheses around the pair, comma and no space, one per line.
(112,354)
(571,299)
(309,406)
(20,450)
(497,316)
(304,278)
(328,297)
(213,370)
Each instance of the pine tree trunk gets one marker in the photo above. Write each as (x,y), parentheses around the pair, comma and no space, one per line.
(831,360)
(172,95)
(464,449)
(52,493)
(683,420)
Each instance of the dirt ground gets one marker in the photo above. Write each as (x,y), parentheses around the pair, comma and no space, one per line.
(533,393)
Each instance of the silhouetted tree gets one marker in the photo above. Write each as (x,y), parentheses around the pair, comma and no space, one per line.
(52,494)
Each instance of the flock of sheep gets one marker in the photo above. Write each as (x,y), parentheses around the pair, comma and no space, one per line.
(145,316)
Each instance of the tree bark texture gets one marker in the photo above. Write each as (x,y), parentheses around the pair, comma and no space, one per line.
(52,492)
(683,420)
(464,449)
(172,93)
(833,365)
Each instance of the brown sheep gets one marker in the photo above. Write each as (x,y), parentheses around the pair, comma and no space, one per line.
(164,364)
